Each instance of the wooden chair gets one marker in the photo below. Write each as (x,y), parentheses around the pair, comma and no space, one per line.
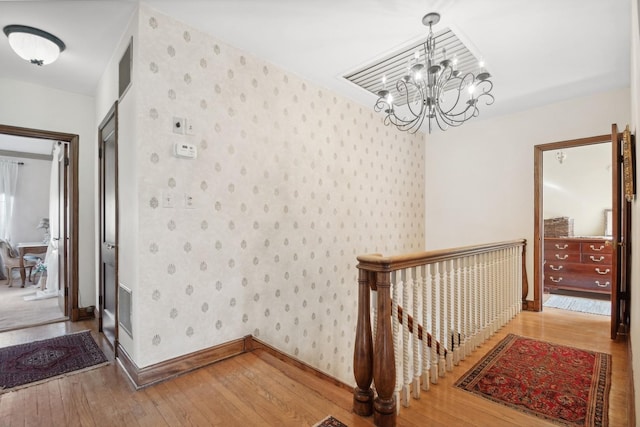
(11,262)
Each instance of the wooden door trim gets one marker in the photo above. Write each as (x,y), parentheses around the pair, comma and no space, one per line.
(73,140)
(537,203)
(616,177)
(111,114)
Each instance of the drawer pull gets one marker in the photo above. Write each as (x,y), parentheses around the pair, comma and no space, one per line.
(554,268)
(565,256)
(563,247)
(559,279)
(593,248)
(596,260)
(602,285)
(602,272)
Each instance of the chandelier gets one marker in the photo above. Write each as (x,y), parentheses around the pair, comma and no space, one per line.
(434,91)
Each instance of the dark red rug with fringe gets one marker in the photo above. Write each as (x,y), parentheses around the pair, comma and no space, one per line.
(36,361)
(330,422)
(562,384)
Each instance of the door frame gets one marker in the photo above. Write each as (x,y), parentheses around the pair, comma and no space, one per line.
(538,228)
(73,141)
(616,206)
(111,114)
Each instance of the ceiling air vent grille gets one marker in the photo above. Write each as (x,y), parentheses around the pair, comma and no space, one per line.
(394,65)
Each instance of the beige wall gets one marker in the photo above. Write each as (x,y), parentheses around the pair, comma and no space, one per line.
(291,183)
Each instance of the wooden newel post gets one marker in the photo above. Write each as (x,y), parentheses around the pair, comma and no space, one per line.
(384,365)
(363,352)
(525,282)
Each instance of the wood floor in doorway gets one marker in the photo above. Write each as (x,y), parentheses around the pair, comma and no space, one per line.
(15,312)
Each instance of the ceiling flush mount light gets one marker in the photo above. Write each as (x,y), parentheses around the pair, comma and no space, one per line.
(34,45)
(434,87)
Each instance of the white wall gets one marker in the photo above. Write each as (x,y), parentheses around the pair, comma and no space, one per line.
(39,107)
(31,202)
(635,216)
(579,187)
(479,177)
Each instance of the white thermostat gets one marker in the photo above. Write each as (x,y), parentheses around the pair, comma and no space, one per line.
(185,151)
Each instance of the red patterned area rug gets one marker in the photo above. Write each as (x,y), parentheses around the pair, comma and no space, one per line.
(562,384)
(34,362)
(330,422)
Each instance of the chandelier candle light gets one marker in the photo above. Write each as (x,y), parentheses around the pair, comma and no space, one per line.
(435,91)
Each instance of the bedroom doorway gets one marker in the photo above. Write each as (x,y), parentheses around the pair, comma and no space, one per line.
(585,257)
(62,220)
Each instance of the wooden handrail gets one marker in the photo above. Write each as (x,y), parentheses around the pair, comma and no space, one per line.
(377,262)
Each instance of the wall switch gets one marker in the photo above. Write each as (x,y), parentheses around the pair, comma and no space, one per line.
(178,125)
(168,200)
(188,127)
(189,202)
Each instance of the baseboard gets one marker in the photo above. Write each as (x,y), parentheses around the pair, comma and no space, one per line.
(144,377)
(529,305)
(86,313)
(256,344)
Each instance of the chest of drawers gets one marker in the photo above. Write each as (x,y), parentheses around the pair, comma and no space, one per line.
(579,264)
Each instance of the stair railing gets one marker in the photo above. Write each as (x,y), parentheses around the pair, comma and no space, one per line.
(452,299)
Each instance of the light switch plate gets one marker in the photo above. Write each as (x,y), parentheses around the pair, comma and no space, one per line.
(189,202)
(168,200)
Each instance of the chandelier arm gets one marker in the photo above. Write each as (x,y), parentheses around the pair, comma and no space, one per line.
(403,86)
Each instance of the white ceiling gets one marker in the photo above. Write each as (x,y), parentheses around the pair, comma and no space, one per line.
(538,51)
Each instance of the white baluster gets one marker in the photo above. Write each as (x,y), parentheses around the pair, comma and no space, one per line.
(415,284)
(449,316)
(455,312)
(493,294)
(500,290)
(396,336)
(442,327)
(474,301)
(434,333)
(406,376)
(466,312)
(486,309)
(426,365)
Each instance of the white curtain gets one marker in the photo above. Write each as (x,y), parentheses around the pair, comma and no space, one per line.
(51,259)
(8,183)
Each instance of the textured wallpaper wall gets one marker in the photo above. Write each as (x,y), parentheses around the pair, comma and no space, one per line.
(290,184)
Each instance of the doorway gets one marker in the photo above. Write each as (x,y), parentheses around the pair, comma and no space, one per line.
(64,224)
(589,260)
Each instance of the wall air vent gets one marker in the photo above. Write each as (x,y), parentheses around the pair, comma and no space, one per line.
(395,65)
(124,309)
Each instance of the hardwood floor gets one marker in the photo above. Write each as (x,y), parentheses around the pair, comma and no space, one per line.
(257,389)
